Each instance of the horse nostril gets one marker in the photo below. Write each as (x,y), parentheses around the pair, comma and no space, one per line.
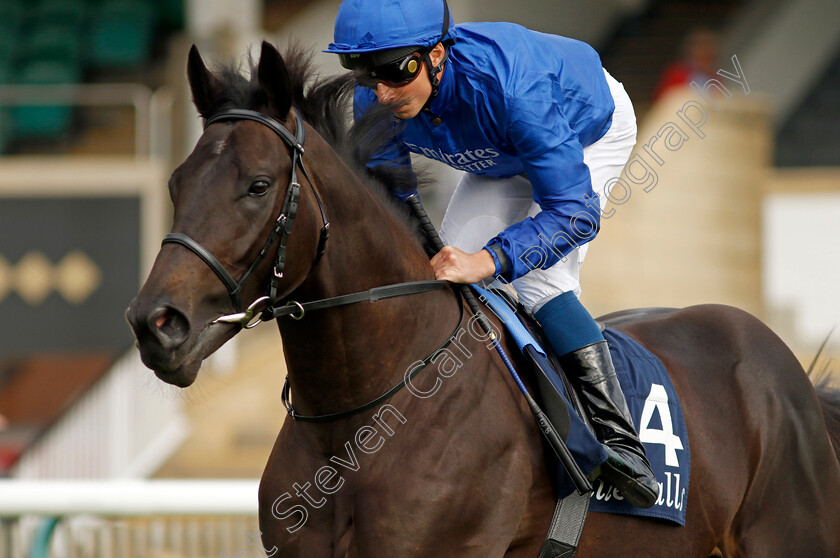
(162,319)
(169,325)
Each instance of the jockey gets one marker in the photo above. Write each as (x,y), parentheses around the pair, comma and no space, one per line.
(540,129)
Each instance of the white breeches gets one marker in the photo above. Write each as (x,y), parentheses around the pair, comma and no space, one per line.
(481,207)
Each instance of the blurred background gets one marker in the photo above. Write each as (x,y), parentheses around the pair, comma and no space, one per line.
(732,196)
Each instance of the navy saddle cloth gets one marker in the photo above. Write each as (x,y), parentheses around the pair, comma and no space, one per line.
(656,412)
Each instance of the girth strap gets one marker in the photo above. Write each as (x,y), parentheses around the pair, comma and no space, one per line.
(566,526)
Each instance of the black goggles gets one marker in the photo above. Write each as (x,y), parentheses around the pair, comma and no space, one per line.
(398,73)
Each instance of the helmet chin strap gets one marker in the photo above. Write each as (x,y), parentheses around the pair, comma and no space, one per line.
(434,74)
(435,70)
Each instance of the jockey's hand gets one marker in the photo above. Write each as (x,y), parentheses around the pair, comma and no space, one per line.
(452,264)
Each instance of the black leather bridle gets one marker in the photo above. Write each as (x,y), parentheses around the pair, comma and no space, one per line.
(263,306)
(266,308)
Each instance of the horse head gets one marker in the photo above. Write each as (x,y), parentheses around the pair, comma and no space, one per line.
(229,197)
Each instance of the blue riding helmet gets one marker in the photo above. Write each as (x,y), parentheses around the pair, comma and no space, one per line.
(370,34)
(364,26)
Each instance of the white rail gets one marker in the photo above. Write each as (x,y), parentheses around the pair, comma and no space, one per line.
(128,498)
(123,427)
(129,519)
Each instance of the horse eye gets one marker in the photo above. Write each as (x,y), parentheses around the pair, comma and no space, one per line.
(259,187)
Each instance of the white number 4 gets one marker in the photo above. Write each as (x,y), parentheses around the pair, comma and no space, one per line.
(658,400)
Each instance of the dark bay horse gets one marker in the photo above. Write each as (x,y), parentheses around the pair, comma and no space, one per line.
(453,465)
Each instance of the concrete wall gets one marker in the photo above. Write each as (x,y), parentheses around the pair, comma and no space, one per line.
(684,225)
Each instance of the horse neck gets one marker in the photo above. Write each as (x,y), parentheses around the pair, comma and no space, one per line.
(342,357)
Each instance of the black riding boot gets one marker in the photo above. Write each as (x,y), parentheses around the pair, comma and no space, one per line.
(626,468)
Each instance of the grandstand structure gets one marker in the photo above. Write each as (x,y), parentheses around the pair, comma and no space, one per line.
(95,113)
(65,42)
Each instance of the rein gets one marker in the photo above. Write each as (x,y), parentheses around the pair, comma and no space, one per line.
(385,396)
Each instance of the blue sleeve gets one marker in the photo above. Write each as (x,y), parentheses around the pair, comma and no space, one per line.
(552,156)
(393,152)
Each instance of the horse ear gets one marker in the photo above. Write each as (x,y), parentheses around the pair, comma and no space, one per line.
(274,79)
(204,85)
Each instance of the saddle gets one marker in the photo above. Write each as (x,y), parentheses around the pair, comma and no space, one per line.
(551,381)
(651,399)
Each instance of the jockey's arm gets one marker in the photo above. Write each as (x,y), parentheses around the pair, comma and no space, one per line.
(552,156)
(553,160)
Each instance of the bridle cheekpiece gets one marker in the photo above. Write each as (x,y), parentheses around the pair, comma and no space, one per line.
(264,307)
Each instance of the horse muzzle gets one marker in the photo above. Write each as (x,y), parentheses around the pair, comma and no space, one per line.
(162,334)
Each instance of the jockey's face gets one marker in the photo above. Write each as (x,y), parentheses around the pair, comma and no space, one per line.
(407,101)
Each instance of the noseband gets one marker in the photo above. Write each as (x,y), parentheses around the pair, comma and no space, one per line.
(263,306)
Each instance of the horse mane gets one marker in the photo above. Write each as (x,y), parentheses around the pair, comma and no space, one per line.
(326,103)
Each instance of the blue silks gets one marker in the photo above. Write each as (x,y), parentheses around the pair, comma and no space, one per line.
(514,101)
